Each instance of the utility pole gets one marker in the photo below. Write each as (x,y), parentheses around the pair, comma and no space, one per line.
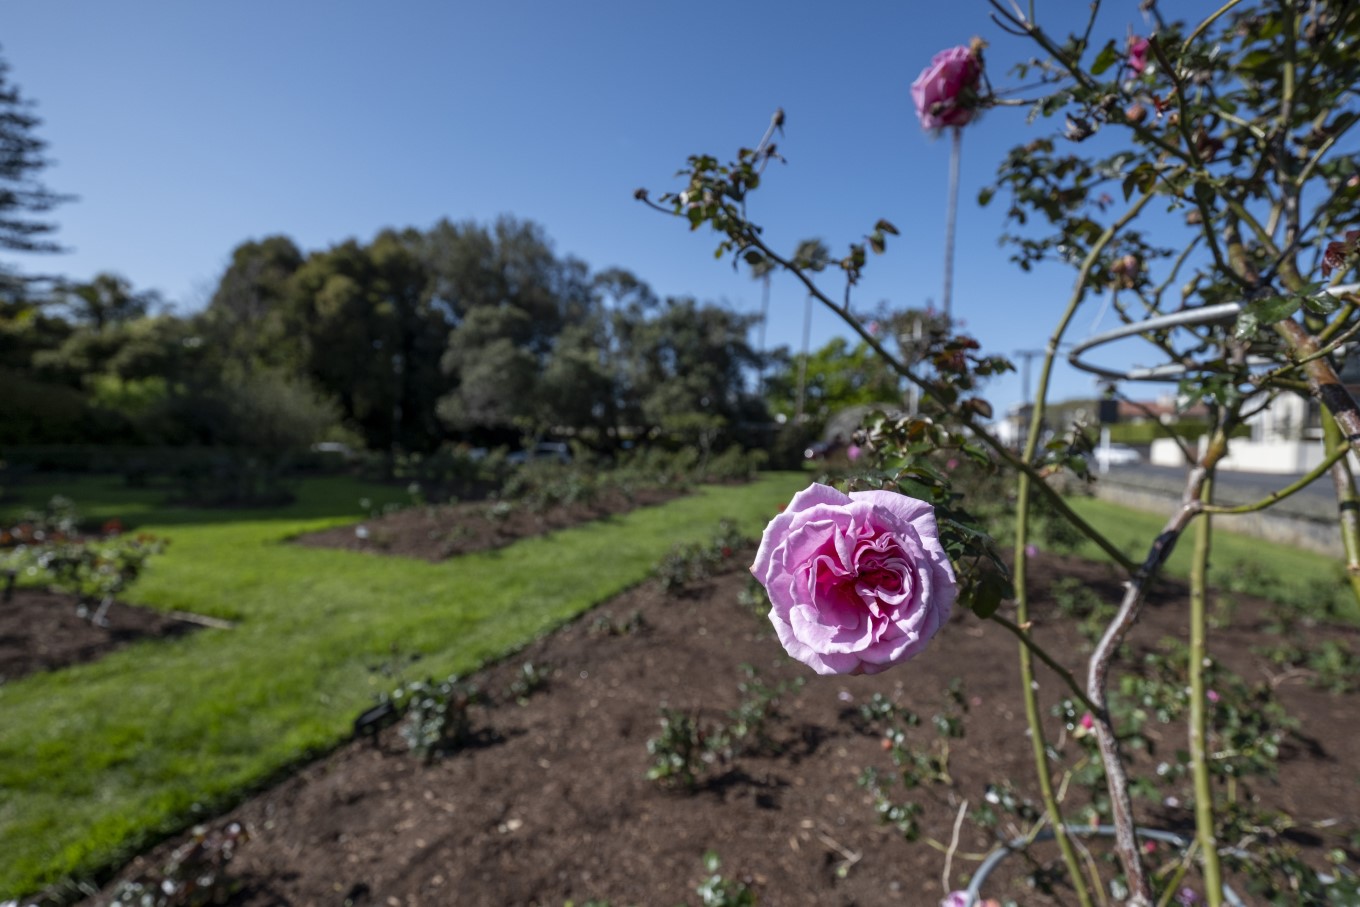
(802,363)
(1028,356)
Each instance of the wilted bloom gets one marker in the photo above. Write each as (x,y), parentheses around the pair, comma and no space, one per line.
(1336,253)
(858,582)
(946,91)
(1186,896)
(1138,55)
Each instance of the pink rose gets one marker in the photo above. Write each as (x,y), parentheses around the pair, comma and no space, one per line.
(1138,55)
(946,91)
(957,899)
(858,582)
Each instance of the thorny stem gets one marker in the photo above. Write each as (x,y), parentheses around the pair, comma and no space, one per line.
(1128,855)
(1116,776)
(1029,688)
(1199,730)
(1022,633)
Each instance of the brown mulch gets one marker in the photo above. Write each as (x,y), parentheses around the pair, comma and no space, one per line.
(42,631)
(441,531)
(550,803)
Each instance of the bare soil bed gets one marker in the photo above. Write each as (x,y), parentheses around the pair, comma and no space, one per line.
(42,631)
(441,531)
(551,803)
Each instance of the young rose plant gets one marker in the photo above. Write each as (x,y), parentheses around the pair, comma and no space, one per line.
(1239,126)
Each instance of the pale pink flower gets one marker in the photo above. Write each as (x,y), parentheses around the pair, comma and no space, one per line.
(858,582)
(946,91)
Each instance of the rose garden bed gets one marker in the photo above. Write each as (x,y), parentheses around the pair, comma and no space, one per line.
(549,801)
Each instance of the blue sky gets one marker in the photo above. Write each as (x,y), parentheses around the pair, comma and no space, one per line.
(187,128)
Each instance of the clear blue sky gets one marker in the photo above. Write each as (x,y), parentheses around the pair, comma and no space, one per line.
(187,128)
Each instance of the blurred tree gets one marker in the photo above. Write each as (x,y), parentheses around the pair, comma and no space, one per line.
(372,338)
(248,317)
(21,159)
(107,299)
(689,359)
(834,377)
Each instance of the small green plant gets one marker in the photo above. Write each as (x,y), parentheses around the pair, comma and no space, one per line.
(95,569)
(748,729)
(901,816)
(531,679)
(608,625)
(679,753)
(194,876)
(690,563)
(436,716)
(716,891)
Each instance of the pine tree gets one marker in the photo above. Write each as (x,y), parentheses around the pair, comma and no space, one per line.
(22,196)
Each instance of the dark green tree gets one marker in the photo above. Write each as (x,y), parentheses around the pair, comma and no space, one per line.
(249,317)
(23,197)
(106,300)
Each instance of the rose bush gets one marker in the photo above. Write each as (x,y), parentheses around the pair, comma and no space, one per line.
(946,91)
(857,583)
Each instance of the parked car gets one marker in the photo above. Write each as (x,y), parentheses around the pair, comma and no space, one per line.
(1115,455)
(556,451)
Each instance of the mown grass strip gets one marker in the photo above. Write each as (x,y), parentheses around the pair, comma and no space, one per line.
(98,760)
(1283,573)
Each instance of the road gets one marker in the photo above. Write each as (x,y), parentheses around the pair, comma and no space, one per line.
(1318,500)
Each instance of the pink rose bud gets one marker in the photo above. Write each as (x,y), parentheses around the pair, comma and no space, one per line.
(957,899)
(1031,551)
(1212,696)
(946,91)
(1138,55)
(1087,721)
(858,582)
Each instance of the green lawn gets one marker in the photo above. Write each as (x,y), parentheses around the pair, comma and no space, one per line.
(1273,570)
(98,760)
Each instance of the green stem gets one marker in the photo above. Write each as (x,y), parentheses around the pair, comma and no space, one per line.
(1022,510)
(1199,764)
(1200,29)
(1338,452)
(1021,633)
(1029,689)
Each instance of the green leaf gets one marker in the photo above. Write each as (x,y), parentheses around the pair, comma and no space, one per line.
(1321,304)
(987,591)
(1105,59)
(985,196)
(886,227)
(1246,327)
(1273,308)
